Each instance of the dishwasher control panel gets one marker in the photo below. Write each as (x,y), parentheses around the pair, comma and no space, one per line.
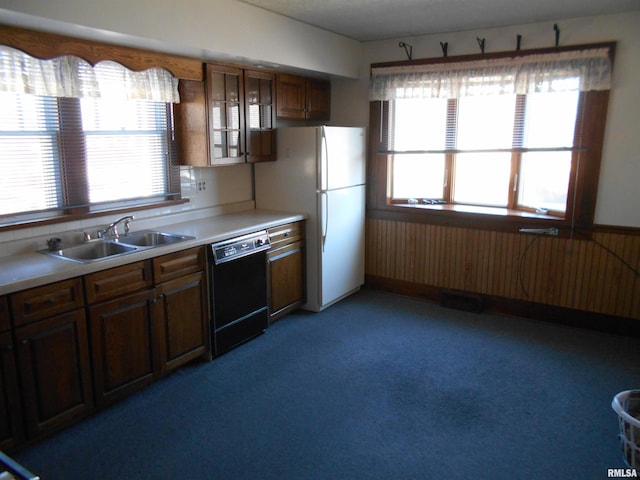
(238,247)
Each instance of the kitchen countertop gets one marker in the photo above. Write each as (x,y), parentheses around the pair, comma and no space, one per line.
(28,270)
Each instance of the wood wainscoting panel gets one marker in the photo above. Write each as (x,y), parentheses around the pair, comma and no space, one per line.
(595,275)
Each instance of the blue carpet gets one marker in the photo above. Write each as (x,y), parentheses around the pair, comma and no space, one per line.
(378,386)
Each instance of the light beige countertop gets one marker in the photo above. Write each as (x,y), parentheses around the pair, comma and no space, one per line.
(27,270)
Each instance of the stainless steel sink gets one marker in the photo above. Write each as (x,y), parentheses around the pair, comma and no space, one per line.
(91,252)
(96,250)
(151,238)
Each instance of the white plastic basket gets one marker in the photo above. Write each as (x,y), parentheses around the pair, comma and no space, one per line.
(627,405)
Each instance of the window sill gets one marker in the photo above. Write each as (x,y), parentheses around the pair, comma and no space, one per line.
(36,222)
(478,210)
(468,216)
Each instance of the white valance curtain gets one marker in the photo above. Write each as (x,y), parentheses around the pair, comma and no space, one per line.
(584,70)
(71,76)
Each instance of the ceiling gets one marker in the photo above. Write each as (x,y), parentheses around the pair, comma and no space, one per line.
(367,20)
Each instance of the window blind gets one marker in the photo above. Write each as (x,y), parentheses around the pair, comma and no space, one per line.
(127,149)
(29,161)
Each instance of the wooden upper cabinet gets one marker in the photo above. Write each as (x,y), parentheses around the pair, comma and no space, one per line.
(291,97)
(300,98)
(225,111)
(318,100)
(260,115)
(190,117)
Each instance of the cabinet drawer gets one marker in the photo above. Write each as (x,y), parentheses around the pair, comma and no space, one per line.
(4,315)
(287,233)
(178,264)
(46,301)
(117,281)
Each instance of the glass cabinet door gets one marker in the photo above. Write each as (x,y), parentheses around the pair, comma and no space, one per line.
(226,114)
(260,116)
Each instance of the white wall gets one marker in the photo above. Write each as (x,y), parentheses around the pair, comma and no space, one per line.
(211,29)
(618,193)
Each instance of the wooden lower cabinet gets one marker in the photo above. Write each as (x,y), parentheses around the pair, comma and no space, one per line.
(285,267)
(137,337)
(124,336)
(54,372)
(11,428)
(63,359)
(183,309)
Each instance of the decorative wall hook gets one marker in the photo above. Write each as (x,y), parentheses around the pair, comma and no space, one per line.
(518,42)
(407,48)
(557,30)
(444,47)
(481,44)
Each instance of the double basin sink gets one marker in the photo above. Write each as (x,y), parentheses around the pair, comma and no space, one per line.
(101,249)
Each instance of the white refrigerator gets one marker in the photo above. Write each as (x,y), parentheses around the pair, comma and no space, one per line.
(320,171)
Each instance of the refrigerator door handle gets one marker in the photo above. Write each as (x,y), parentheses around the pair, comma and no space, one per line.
(325,218)
(324,175)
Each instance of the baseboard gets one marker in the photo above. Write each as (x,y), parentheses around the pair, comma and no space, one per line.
(471,301)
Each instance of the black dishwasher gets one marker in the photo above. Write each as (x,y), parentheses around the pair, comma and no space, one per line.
(238,290)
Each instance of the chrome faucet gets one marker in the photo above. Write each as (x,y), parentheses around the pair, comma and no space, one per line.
(112,230)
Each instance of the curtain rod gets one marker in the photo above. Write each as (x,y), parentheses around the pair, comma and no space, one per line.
(510,53)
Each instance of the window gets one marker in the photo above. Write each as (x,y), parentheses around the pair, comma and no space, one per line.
(127,149)
(523,146)
(70,155)
(77,139)
(501,136)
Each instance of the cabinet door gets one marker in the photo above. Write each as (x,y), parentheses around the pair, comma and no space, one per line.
(260,116)
(291,99)
(225,104)
(286,279)
(318,100)
(54,372)
(123,345)
(191,124)
(11,429)
(185,320)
